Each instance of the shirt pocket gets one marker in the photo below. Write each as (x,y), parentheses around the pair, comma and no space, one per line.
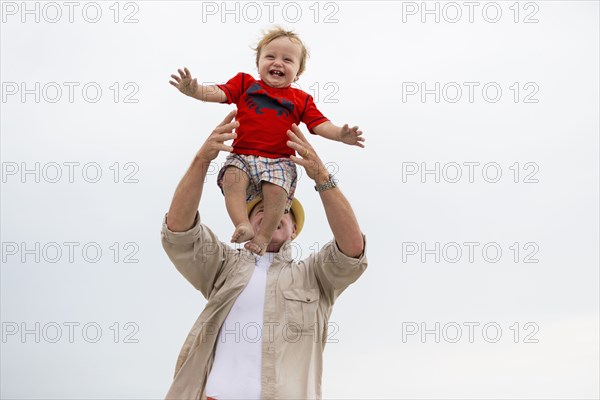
(301,306)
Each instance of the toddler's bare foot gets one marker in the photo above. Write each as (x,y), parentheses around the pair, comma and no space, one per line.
(243,232)
(257,245)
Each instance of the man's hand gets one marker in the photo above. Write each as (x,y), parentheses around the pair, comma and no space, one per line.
(351,136)
(340,215)
(315,169)
(184,83)
(189,191)
(215,141)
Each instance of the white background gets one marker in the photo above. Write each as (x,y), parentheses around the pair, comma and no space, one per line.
(361,59)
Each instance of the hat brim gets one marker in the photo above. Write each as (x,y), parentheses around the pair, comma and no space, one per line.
(296,208)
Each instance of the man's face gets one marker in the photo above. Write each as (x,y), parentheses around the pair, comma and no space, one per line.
(279,62)
(286,230)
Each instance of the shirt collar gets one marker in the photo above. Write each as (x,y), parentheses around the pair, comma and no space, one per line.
(285,252)
(264,85)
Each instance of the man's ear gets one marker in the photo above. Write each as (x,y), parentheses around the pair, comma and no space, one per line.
(294,231)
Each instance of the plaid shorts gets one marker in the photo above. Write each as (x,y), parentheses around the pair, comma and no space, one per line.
(279,171)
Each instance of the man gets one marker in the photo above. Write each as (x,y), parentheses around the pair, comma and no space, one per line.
(263,330)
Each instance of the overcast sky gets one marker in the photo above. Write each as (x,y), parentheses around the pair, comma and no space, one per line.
(477,191)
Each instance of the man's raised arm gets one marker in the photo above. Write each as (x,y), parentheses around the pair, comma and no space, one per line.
(189,191)
(340,215)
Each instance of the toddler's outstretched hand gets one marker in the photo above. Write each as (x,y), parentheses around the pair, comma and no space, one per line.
(184,82)
(351,136)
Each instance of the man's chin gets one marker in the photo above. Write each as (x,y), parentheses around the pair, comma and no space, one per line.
(275,245)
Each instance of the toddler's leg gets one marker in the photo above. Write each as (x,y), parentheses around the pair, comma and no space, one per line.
(274,198)
(235,182)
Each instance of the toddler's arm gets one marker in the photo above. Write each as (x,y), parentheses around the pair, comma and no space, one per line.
(351,136)
(190,87)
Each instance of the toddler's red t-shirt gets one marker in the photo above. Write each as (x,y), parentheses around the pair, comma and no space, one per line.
(266,113)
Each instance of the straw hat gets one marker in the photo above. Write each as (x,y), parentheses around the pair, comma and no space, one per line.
(296,209)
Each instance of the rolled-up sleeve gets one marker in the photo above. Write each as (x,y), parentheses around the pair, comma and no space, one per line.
(196,253)
(335,271)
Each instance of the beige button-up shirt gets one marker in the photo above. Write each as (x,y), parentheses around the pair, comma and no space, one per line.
(298,301)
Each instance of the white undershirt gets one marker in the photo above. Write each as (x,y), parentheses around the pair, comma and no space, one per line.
(236,371)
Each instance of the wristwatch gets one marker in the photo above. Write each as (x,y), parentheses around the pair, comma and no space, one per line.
(330,184)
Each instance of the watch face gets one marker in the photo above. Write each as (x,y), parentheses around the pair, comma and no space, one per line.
(327,185)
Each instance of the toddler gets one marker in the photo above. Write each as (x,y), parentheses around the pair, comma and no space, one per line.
(259,164)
